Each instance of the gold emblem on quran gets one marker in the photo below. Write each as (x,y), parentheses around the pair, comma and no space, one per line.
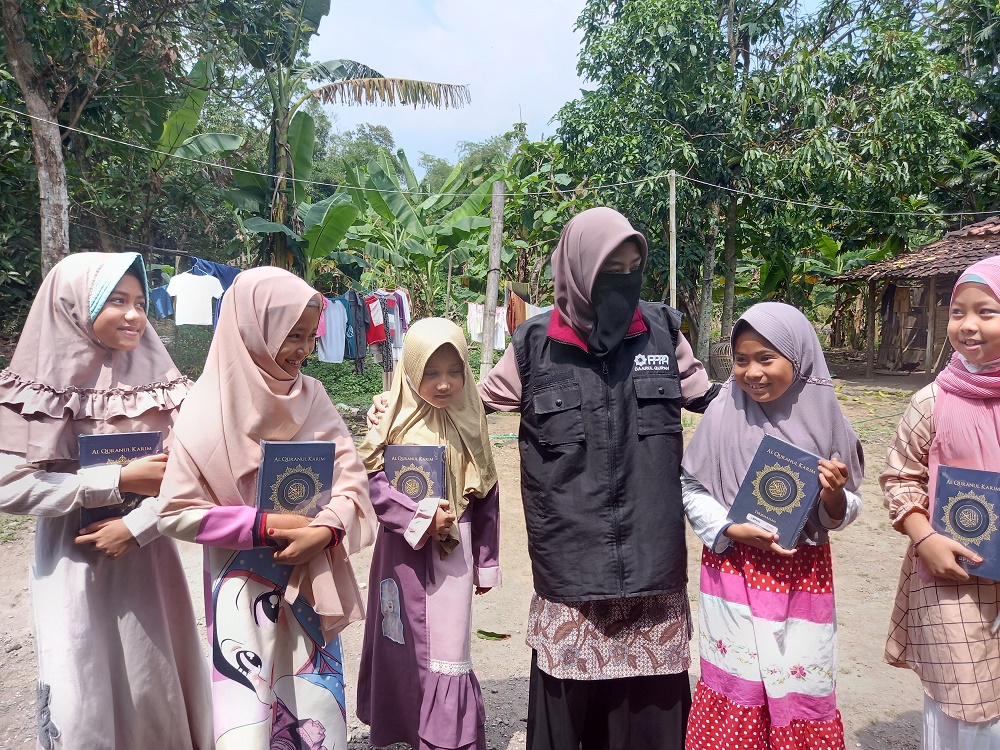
(414,481)
(967,516)
(121,461)
(296,490)
(778,489)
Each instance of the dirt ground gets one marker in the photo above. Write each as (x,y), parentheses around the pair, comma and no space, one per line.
(881,705)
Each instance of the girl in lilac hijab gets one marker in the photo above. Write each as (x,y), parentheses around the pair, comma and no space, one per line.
(767,626)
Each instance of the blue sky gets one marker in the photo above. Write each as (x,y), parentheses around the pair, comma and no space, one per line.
(517,56)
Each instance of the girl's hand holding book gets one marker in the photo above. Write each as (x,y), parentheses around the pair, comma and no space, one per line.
(110,537)
(754,536)
(833,476)
(143,475)
(442,523)
(938,554)
(300,545)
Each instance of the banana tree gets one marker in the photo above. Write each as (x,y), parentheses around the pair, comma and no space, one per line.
(276,44)
(325,225)
(425,237)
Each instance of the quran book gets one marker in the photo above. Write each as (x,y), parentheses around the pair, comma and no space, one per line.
(295,477)
(416,470)
(115,448)
(967,509)
(779,491)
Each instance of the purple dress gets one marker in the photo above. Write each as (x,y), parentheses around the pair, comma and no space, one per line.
(416,683)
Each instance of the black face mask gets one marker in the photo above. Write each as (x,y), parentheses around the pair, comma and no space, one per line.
(614,298)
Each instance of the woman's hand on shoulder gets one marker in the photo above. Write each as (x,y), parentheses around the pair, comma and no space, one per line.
(300,545)
(144,475)
(380,402)
(754,536)
(939,554)
(111,537)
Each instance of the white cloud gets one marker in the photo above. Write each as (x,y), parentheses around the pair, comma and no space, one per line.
(518,57)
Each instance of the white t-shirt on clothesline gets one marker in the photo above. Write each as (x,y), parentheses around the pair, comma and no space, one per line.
(194,295)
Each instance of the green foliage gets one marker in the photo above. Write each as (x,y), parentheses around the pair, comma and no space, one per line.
(422,241)
(344,385)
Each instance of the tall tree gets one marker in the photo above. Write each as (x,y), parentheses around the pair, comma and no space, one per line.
(274,36)
(87,57)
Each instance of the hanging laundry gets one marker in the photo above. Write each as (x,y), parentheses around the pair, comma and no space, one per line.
(225,274)
(160,305)
(403,298)
(330,346)
(194,295)
(474,323)
(376,332)
(360,320)
(518,296)
(531,311)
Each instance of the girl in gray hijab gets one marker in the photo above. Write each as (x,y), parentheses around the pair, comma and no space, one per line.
(767,626)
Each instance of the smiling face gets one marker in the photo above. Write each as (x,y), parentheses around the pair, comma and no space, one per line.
(122,320)
(444,377)
(300,342)
(974,325)
(759,369)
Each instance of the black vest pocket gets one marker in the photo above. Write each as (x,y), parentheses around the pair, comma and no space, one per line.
(557,410)
(658,404)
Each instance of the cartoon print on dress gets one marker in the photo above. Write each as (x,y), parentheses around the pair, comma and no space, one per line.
(298,683)
(392,622)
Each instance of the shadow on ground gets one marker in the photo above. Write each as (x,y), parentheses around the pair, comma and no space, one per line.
(903,732)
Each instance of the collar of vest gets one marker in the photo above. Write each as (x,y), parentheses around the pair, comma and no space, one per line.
(564,333)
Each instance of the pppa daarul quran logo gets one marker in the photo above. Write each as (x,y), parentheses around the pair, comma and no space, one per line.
(644,362)
(296,490)
(414,481)
(968,517)
(778,488)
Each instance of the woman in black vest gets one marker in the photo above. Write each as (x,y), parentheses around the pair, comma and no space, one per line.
(600,382)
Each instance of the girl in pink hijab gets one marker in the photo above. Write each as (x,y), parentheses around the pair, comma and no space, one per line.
(279,588)
(119,659)
(944,622)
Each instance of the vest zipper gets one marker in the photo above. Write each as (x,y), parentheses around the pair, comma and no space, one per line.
(613,470)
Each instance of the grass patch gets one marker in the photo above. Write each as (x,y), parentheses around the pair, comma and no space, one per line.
(11,527)
(343,384)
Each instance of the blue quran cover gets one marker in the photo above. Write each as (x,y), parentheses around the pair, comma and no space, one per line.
(966,503)
(115,448)
(416,470)
(779,491)
(295,476)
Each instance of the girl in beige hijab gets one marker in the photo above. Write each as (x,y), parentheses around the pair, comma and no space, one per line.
(274,616)
(119,659)
(416,683)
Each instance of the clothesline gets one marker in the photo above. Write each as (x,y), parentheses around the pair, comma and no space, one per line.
(659,177)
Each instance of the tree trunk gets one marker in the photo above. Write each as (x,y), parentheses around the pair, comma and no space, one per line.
(45,137)
(707,282)
(729,261)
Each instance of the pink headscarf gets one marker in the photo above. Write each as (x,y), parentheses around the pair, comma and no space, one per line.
(967,410)
(244,397)
(62,382)
(586,242)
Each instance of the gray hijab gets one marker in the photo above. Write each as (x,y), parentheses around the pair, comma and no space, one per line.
(807,415)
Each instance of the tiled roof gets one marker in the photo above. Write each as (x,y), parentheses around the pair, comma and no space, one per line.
(948,256)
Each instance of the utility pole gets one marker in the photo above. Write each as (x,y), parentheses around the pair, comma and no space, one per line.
(673,239)
(492,278)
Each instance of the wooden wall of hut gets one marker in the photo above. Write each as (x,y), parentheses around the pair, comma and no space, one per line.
(904,341)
